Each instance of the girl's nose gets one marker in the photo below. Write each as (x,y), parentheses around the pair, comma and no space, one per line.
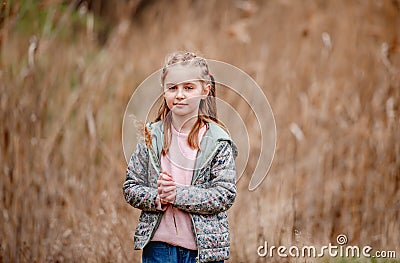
(180,93)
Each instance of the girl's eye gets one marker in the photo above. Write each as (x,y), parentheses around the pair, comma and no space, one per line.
(188,87)
(172,88)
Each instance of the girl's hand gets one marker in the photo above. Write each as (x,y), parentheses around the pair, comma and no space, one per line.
(166,188)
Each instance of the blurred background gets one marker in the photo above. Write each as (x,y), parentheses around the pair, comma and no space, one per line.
(331,72)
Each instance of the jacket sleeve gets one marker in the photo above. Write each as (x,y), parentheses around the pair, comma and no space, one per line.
(136,188)
(221,192)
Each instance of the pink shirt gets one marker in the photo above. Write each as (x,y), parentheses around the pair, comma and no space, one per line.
(179,162)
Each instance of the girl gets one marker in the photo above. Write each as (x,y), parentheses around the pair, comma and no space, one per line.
(182,175)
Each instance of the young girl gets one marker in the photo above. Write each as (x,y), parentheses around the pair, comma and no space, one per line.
(182,175)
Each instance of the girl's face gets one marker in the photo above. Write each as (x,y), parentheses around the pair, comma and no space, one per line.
(183,90)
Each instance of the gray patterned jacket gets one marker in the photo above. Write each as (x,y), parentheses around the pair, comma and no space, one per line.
(207,199)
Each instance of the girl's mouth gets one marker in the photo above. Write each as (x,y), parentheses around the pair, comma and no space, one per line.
(180,104)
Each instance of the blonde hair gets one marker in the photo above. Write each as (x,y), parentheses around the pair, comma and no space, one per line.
(207,108)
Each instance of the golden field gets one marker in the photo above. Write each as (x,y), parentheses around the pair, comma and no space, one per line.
(331,73)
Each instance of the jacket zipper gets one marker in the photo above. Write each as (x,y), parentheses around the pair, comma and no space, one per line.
(191,217)
(152,156)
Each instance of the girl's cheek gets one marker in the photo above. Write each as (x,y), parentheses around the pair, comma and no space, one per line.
(169,103)
(169,100)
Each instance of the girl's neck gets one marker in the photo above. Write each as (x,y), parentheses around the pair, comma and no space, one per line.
(183,125)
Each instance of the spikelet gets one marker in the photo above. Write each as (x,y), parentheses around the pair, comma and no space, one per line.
(142,132)
(147,136)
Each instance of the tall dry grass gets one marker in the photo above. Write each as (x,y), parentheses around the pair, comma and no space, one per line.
(331,71)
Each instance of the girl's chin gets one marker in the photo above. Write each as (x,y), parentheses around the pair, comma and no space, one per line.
(182,113)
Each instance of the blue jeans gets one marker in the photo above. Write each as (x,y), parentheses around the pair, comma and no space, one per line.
(160,252)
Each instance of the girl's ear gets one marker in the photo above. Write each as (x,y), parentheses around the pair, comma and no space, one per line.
(163,93)
(206,90)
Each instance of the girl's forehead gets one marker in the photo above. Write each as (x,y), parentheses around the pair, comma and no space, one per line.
(180,73)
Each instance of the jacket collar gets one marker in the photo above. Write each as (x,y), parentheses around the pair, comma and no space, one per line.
(208,144)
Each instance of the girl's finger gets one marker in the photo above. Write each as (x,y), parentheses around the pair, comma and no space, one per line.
(166,183)
(167,189)
(161,182)
(170,198)
(167,173)
(166,194)
(161,175)
(166,176)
